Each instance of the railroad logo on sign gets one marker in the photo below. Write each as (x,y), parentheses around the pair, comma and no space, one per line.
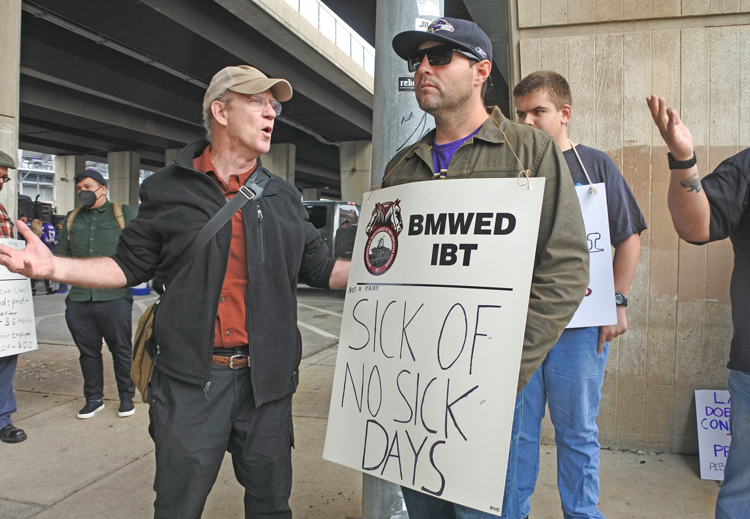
(382,237)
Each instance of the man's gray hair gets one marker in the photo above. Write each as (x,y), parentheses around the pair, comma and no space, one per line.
(208,117)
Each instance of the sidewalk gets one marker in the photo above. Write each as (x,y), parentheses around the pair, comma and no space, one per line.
(104,466)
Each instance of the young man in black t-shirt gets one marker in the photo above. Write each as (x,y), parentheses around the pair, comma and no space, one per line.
(705,210)
(570,378)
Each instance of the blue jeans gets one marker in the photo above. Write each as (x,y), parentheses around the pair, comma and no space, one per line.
(426,506)
(570,378)
(7,398)
(734,497)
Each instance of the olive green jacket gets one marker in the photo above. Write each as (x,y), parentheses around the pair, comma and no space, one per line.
(93,233)
(561,271)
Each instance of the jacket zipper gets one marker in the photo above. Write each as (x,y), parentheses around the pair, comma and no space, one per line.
(262,238)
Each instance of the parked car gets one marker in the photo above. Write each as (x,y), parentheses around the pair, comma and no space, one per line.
(337,222)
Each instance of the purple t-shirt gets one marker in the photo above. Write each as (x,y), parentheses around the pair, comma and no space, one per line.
(443,153)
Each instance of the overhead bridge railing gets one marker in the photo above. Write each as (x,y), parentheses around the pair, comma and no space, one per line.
(334,28)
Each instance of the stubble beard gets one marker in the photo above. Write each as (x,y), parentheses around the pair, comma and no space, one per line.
(444,107)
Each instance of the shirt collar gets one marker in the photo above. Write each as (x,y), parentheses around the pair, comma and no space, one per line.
(491,131)
(203,164)
(105,206)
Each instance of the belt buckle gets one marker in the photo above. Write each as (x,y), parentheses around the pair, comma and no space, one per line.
(231,361)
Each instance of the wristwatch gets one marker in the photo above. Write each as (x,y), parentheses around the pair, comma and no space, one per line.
(681,164)
(620,300)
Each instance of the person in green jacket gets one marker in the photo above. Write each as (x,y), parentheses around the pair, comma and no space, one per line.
(96,314)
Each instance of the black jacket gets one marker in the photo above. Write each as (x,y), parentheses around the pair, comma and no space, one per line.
(282,245)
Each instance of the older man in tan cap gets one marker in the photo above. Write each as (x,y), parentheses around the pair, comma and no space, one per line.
(228,347)
(9,433)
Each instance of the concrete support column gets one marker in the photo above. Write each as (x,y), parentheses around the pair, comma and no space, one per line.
(311,193)
(281,160)
(397,119)
(170,154)
(124,174)
(66,167)
(10,63)
(355,158)
(397,122)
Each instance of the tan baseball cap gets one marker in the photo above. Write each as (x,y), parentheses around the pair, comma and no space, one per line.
(7,161)
(245,80)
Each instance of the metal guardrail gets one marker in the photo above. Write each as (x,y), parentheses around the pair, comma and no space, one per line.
(337,31)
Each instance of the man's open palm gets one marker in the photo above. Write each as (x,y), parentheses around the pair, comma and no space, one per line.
(34,261)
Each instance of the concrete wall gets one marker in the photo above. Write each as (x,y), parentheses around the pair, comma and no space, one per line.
(697,55)
(10,62)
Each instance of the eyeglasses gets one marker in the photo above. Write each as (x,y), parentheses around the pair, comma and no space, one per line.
(437,55)
(260,102)
(5,179)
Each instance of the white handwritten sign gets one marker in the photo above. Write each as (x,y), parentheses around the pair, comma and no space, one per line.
(598,306)
(17,325)
(431,338)
(713,409)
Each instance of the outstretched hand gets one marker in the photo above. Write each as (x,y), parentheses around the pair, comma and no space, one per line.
(35,261)
(675,134)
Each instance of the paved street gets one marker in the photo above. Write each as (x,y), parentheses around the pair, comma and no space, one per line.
(103,467)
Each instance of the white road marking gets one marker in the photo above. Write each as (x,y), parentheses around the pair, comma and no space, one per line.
(143,304)
(317,330)
(38,319)
(320,310)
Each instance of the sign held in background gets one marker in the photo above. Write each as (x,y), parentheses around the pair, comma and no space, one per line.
(17,324)
(713,409)
(598,305)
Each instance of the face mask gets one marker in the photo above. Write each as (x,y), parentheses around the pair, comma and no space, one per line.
(87,198)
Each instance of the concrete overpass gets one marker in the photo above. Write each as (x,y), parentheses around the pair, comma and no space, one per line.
(122,81)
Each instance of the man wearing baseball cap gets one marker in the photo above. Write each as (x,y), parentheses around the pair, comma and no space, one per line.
(228,347)
(9,433)
(451,63)
(95,314)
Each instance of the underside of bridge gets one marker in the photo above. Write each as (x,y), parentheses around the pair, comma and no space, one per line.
(117,75)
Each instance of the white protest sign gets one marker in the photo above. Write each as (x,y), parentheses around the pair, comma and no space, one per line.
(433,326)
(598,305)
(713,409)
(17,324)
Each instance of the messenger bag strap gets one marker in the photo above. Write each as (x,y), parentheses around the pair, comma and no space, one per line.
(252,190)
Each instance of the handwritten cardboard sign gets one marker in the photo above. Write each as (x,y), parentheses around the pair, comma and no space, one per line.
(713,409)
(17,325)
(431,337)
(598,306)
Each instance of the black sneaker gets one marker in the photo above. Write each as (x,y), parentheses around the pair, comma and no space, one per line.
(90,409)
(126,408)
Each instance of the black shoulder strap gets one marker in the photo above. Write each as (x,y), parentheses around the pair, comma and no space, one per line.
(252,190)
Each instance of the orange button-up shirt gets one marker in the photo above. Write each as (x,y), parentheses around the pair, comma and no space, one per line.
(231,319)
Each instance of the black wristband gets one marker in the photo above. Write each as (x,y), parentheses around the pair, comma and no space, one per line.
(681,164)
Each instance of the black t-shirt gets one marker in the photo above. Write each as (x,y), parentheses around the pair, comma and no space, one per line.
(728,192)
(625,217)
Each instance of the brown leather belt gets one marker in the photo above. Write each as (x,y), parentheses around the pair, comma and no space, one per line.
(233,362)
